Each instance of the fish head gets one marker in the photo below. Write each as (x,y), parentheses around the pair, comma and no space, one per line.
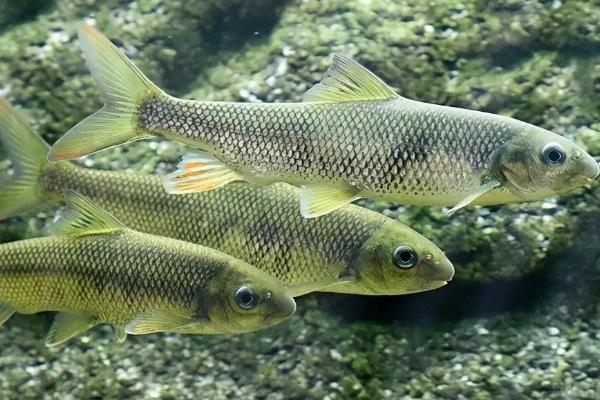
(538,163)
(398,260)
(246,299)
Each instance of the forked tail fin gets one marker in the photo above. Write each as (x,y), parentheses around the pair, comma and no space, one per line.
(21,191)
(124,87)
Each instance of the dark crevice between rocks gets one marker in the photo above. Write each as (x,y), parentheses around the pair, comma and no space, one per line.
(573,275)
(231,29)
(13,12)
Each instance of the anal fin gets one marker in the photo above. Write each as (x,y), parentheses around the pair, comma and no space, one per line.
(483,189)
(6,312)
(199,172)
(321,200)
(67,326)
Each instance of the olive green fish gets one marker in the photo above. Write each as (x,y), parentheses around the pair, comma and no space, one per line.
(351,250)
(98,271)
(352,137)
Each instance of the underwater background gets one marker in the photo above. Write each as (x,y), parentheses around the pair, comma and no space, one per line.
(520,318)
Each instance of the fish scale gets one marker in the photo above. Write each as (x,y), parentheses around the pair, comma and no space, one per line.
(113,277)
(360,143)
(261,226)
(97,271)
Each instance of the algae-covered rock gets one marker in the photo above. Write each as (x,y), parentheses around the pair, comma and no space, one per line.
(41,66)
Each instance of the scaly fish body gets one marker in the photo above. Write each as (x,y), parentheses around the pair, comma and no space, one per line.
(103,272)
(261,226)
(114,277)
(352,137)
(396,150)
(256,224)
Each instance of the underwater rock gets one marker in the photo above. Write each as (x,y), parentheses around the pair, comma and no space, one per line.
(41,66)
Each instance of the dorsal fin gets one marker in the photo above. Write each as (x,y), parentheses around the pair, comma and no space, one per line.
(347,80)
(85,218)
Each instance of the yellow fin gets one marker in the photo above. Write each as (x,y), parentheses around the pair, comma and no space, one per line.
(6,312)
(85,218)
(120,333)
(123,86)
(347,80)
(67,326)
(300,289)
(155,321)
(21,191)
(483,189)
(320,200)
(199,172)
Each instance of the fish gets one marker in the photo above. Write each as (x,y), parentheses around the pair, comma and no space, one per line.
(351,250)
(352,137)
(94,270)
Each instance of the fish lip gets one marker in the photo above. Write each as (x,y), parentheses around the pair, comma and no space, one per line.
(283,312)
(436,284)
(431,285)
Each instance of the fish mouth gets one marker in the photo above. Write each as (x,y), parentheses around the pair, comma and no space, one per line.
(283,310)
(426,286)
(433,285)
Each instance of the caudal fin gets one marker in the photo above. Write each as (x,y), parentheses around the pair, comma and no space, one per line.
(28,152)
(124,87)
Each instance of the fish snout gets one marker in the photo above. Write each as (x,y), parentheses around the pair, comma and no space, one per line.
(283,308)
(445,271)
(288,306)
(591,169)
(440,270)
(588,168)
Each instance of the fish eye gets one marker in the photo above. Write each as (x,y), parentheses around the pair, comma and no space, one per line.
(245,298)
(405,257)
(553,154)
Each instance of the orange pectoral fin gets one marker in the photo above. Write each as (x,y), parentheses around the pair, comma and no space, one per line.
(199,172)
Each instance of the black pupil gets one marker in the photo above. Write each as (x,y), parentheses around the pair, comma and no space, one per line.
(246,298)
(554,156)
(406,256)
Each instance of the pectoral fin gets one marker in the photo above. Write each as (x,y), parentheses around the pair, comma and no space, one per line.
(321,200)
(483,189)
(155,321)
(67,326)
(199,172)
(6,312)
(300,289)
